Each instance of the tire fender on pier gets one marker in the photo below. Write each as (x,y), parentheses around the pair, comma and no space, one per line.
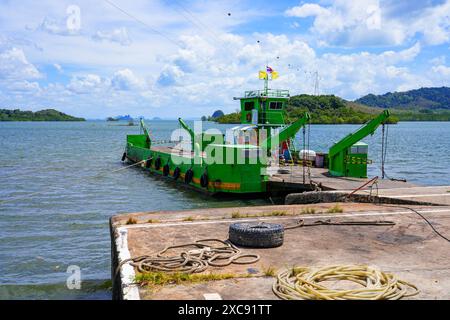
(256,235)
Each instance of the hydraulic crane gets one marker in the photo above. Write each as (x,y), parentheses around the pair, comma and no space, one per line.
(348,157)
(189,130)
(286,133)
(146,133)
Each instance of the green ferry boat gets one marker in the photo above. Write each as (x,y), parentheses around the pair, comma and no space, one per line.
(234,162)
(241,160)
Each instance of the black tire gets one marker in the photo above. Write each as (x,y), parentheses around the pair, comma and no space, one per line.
(189,175)
(176,173)
(157,163)
(148,162)
(256,235)
(204,180)
(166,170)
(124,156)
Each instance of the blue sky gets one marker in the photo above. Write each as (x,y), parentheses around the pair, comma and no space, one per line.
(171,58)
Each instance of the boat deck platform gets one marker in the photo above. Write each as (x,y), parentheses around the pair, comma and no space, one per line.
(410,248)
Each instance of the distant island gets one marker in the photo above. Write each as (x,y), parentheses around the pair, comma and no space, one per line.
(43,115)
(120,118)
(425,104)
(216,115)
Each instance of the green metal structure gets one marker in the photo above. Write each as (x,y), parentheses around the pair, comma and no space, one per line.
(348,157)
(264,107)
(287,132)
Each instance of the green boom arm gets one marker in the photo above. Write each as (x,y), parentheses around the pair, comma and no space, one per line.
(189,130)
(337,152)
(287,132)
(144,128)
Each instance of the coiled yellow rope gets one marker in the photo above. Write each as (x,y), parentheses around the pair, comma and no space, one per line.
(302,283)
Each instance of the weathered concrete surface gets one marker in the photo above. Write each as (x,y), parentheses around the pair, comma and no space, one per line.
(433,194)
(293,181)
(335,189)
(410,249)
(362,197)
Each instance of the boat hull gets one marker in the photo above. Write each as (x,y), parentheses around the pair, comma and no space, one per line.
(238,178)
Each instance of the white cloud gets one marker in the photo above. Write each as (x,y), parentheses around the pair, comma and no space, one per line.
(58,67)
(307,10)
(57,27)
(126,80)
(442,70)
(90,83)
(14,65)
(170,76)
(118,35)
(212,64)
(371,22)
(23,87)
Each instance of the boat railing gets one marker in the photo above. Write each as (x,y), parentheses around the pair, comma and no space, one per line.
(269,93)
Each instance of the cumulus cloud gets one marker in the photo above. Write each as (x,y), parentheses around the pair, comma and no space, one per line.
(119,35)
(208,67)
(24,87)
(14,65)
(442,70)
(374,22)
(84,84)
(126,80)
(170,75)
(348,75)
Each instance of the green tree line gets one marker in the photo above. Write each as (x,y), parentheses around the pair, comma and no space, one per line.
(43,115)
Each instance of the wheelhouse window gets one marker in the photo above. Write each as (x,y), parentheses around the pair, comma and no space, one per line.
(276,105)
(248,106)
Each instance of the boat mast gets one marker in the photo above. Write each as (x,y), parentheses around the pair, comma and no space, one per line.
(266,82)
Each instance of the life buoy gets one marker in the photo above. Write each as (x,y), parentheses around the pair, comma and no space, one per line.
(176,173)
(124,156)
(189,175)
(166,170)
(148,162)
(158,163)
(204,180)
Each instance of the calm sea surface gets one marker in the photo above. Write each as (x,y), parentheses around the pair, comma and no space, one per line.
(60,190)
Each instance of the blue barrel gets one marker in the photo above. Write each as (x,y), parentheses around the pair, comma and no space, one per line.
(287,155)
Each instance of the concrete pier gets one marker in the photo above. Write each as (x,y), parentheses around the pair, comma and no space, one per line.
(297,179)
(410,248)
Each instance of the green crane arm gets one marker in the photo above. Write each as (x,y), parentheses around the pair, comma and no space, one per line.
(287,132)
(189,130)
(363,132)
(144,128)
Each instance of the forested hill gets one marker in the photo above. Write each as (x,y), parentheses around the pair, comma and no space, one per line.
(419,99)
(43,115)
